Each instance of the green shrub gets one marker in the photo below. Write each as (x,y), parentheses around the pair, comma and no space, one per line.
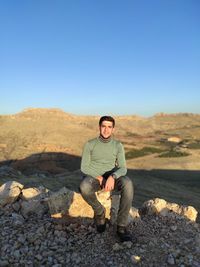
(136,153)
(195,145)
(173,154)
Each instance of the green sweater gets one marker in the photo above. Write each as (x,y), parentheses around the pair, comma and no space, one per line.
(99,157)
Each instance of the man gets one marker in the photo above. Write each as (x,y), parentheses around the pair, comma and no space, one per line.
(103,166)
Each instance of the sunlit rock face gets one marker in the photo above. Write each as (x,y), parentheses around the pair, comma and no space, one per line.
(164,208)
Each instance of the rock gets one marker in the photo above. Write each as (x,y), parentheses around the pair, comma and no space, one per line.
(133,215)
(135,259)
(33,206)
(153,206)
(16,206)
(32,237)
(196,264)
(117,247)
(18,220)
(9,192)
(16,254)
(38,257)
(30,193)
(21,239)
(4,263)
(170,259)
(127,244)
(197,240)
(163,208)
(33,201)
(190,212)
(173,228)
(68,203)
(59,202)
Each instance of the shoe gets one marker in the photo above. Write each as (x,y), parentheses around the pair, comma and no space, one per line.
(123,234)
(100,221)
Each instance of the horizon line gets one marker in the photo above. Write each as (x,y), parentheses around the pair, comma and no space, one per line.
(161,113)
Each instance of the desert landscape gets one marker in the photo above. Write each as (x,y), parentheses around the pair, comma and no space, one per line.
(41,146)
(45,221)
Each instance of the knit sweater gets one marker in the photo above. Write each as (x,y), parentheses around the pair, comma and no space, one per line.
(99,157)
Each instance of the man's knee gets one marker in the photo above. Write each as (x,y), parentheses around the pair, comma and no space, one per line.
(126,183)
(87,185)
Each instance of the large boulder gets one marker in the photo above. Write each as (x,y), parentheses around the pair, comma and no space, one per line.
(9,192)
(164,208)
(67,202)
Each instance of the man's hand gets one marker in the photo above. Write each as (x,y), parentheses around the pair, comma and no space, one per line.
(100,178)
(110,183)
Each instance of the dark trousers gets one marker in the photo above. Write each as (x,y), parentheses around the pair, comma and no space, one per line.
(123,184)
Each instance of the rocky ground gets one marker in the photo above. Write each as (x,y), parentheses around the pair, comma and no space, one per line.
(43,241)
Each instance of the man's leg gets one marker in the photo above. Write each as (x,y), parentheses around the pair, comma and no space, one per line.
(88,187)
(125,186)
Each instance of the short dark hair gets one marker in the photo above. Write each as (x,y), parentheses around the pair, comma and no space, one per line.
(107,118)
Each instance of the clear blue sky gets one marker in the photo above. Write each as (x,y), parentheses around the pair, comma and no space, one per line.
(100,57)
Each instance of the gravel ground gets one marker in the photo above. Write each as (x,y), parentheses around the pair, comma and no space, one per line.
(161,241)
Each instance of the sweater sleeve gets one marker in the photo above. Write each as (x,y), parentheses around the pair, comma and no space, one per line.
(121,162)
(85,161)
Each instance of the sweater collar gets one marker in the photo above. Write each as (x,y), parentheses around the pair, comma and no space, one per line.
(105,140)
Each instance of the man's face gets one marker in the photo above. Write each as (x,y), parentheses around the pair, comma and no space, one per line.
(106,129)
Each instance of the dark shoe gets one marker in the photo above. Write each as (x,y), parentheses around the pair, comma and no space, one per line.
(123,234)
(100,221)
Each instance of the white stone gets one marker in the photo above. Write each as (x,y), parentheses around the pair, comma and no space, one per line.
(135,259)
(9,192)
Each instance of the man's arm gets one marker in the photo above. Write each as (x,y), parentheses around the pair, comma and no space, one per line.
(121,162)
(121,171)
(85,162)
